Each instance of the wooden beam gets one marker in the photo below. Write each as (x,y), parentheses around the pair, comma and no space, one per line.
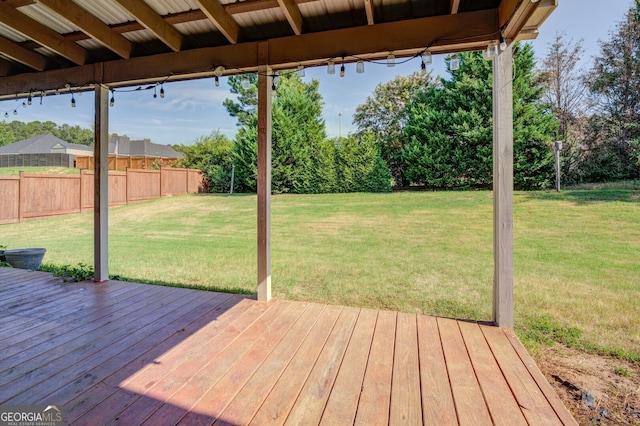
(503,188)
(455,5)
(368,8)
(101,186)
(220,18)
(464,30)
(264,175)
(90,25)
(293,15)
(519,19)
(41,34)
(19,54)
(153,22)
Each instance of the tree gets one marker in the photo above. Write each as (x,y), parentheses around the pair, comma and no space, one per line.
(385,114)
(212,155)
(297,132)
(449,132)
(613,142)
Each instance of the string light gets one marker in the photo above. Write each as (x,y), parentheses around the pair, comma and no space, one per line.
(162,91)
(301,72)
(423,68)
(112,101)
(454,63)
(331,67)
(360,67)
(217,72)
(503,43)
(391,60)
(24,104)
(6,115)
(246,83)
(490,52)
(29,99)
(155,91)
(342,68)
(15,112)
(217,80)
(426,58)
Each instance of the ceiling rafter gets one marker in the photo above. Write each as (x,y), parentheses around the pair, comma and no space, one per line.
(42,34)
(471,30)
(20,54)
(220,18)
(90,25)
(293,15)
(368,8)
(150,19)
(455,5)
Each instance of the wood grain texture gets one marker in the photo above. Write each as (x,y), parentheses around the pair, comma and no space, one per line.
(126,353)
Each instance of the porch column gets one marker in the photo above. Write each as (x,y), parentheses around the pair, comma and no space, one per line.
(101,186)
(264,175)
(503,189)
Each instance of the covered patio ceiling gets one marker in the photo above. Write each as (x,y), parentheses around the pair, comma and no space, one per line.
(48,45)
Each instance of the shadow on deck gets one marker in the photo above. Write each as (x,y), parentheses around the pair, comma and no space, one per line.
(126,353)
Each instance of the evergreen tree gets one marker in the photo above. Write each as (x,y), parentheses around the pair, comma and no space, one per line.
(385,114)
(297,133)
(613,143)
(449,133)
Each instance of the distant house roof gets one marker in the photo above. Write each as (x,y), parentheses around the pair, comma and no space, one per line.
(42,144)
(141,148)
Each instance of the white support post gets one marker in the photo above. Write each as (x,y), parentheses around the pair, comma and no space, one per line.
(264,175)
(503,189)
(101,186)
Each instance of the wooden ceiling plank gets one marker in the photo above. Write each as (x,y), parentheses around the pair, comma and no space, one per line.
(447,33)
(19,54)
(148,17)
(42,34)
(293,15)
(455,5)
(368,7)
(220,18)
(90,25)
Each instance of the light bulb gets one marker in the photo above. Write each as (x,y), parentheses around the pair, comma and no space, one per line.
(29,100)
(490,51)
(391,60)
(426,58)
(276,78)
(24,104)
(6,115)
(162,91)
(301,72)
(454,63)
(15,112)
(331,67)
(112,102)
(503,43)
(246,83)
(423,69)
(360,67)
(342,70)
(217,81)
(73,102)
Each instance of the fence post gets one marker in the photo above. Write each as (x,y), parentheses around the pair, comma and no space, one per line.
(21,198)
(126,185)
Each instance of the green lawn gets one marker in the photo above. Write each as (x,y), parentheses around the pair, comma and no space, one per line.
(576,254)
(15,171)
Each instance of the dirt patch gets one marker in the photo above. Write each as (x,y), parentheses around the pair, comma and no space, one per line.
(597,390)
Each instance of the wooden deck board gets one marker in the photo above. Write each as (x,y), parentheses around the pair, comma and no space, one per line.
(126,353)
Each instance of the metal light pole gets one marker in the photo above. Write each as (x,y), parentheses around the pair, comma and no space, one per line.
(340,125)
(557,146)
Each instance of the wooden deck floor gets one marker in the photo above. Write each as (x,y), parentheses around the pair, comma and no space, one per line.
(125,353)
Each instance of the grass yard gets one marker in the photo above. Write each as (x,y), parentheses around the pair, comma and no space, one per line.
(576,254)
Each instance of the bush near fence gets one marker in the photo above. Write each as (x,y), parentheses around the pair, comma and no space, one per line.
(30,196)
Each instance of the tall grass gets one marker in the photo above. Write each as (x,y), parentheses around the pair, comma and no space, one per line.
(577,274)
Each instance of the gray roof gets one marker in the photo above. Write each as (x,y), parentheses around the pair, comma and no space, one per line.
(142,148)
(41,144)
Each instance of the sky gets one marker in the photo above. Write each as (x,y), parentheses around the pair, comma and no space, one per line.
(194,109)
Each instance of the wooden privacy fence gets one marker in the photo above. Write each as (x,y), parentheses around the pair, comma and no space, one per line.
(31,196)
